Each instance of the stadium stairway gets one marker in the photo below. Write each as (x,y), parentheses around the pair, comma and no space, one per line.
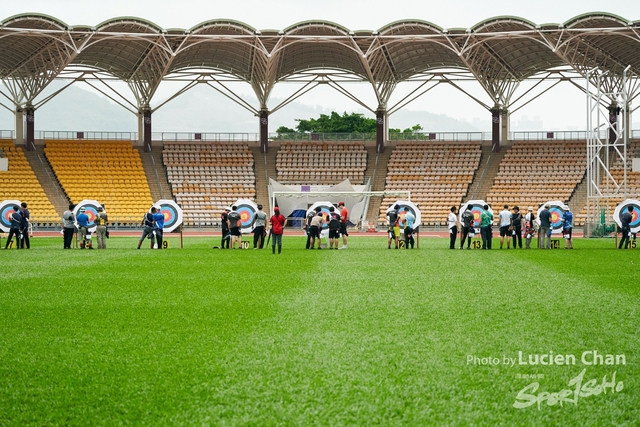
(578,201)
(377,164)
(486,173)
(264,168)
(42,169)
(155,172)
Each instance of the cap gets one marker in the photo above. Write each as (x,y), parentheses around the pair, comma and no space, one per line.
(100,209)
(530,208)
(259,206)
(341,204)
(227,208)
(82,210)
(276,209)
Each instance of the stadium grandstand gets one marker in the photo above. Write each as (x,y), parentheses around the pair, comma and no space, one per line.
(205,175)
(109,172)
(19,182)
(317,163)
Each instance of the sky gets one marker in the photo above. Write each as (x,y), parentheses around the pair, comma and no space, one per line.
(359,15)
(353,14)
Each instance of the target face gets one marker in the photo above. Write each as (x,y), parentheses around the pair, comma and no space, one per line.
(6,209)
(405,206)
(91,209)
(477,207)
(172,214)
(324,210)
(635,214)
(557,209)
(246,209)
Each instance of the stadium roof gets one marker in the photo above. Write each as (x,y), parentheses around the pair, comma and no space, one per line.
(499,52)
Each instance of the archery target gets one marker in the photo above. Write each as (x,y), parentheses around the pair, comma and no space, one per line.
(6,209)
(172,214)
(91,209)
(635,214)
(246,209)
(324,210)
(477,207)
(408,206)
(557,210)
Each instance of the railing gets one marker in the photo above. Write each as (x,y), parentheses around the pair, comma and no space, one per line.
(91,135)
(322,136)
(205,137)
(315,136)
(440,136)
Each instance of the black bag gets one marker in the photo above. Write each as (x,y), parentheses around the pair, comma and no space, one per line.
(107,233)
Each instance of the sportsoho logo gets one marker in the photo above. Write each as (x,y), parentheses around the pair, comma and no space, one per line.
(577,387)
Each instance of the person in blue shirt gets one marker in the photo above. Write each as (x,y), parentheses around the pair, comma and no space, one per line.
(567,226)
(14,230)
(83,230)
(158,225)
(409,220)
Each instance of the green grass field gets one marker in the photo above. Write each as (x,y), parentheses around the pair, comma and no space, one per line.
(362,337)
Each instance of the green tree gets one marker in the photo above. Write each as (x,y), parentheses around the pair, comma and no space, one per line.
(336,123)
(284,129)
(345,123)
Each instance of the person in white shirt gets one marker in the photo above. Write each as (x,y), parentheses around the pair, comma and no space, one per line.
(452,224)
(505,226)
(529,229)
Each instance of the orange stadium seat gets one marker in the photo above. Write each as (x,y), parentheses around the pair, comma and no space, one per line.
(321,163)
(206,177)
(107,171)
(21,183)
(438,175)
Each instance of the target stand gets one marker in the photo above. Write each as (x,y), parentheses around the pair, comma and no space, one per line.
(172,217)
(634,225)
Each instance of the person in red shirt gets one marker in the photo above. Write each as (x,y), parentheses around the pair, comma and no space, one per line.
(278,222)
(344,215)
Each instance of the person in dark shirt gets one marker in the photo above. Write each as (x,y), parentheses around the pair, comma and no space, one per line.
(334,228)
(226,237)
(545,227)
(516,227)
(233,220)
(392,221)
(467,226)
(147,227)
(24,226)
(626,227)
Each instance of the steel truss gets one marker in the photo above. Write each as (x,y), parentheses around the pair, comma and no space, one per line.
(607,142)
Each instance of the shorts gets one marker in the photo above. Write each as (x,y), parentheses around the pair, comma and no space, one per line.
(392,234)
(408,231)
(235,231)
(343,229)
(504,231)
(314,231)
(334,233)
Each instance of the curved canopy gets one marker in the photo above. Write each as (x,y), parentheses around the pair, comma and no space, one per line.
(499,52)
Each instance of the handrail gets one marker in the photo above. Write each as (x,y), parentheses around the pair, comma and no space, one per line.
(541,135)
